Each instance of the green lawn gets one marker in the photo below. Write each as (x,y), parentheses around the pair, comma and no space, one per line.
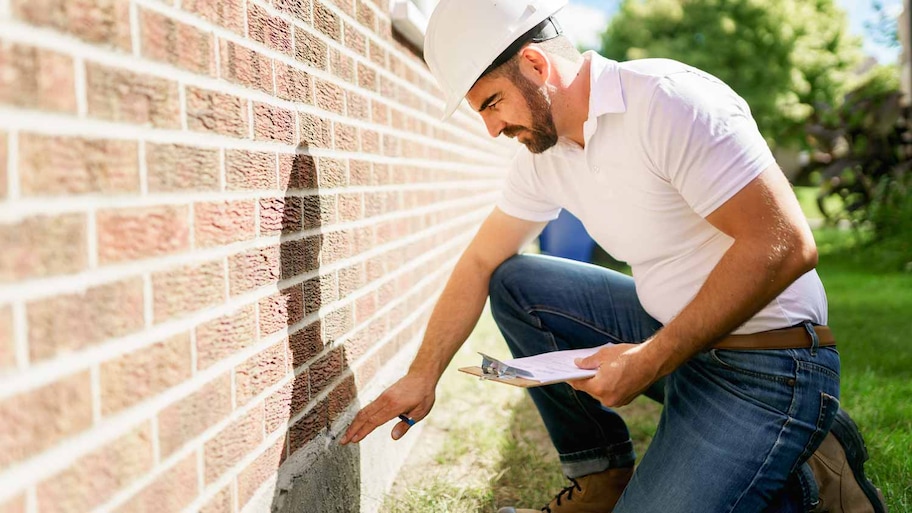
(484,445)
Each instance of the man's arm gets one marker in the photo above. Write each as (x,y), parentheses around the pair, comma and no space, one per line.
(773,246)
(455,315)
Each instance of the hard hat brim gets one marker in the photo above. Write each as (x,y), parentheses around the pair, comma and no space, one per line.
(451,106)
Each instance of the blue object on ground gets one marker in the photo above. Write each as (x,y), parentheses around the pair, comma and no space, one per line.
(566,237)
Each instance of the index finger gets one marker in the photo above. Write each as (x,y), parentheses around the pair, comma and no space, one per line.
(367,420)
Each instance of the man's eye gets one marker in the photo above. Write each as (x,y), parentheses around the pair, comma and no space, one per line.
(493,105)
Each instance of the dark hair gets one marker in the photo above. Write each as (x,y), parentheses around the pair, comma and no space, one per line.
(560,46)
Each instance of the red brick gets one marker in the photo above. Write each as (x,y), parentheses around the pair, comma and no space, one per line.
(342,65)
(260,372)
(341,397)
(346,137)
(355,40)
(281,310)
(222,337)
(310,50)
(15,504)
(280,215)
(329,96)
(358,106)
(232,444)
(171,491)
(223,502)
(168,40)
(278,404)
(105,22)
(43,246)
(223,222)
(96,477)
(316,132)
(245,66)
(365,15)
(52,165)
(185,290)
(36,78)
(320,291)
(359,171)
(186,419)
(7,341)
(250,170)
(123,96)
(305,344)
(142,374)
(319,210)
(325,370)
(224,13)
(172,167)
(347,6)
(327,21)
(308,427)
(272,123)
(263,468)
(299,9)
(350,206)
(377,54)
(370,142)
(37,420)
(338,323)
(253,268)
(293,84)
(72,322)
(333,173)
(367,77)
(380,113)
(209,111)
(4,157)
(298,171)
(269,30)
(132,234)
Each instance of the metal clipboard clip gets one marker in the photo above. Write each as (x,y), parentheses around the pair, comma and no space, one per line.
(492,368)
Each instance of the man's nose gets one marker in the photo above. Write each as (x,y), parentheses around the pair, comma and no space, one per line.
(495,125)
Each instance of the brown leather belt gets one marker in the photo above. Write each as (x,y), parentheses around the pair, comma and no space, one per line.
(786,338)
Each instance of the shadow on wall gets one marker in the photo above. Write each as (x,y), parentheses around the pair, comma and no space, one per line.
(320,475)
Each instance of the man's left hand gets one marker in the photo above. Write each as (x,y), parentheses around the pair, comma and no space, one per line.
(623,371)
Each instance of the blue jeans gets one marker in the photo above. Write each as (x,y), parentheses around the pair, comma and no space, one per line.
(736,425)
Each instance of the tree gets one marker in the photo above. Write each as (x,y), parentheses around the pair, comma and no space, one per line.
(783,56)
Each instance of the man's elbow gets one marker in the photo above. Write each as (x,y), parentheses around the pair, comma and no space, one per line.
(803,256)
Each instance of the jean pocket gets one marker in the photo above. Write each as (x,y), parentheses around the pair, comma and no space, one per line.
(775,366)
(829,406)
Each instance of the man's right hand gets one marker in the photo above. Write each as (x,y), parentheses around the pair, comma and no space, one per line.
(410,396)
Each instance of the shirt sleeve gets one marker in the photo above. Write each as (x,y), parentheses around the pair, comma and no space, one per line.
(523,194)
(703,140)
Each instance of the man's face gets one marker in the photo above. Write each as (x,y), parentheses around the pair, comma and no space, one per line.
(515,107)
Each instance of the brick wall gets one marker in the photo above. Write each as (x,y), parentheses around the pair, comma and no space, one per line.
(220,220)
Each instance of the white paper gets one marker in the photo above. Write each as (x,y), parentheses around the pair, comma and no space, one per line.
(556,365)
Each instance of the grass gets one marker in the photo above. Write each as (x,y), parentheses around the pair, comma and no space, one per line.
(484,446)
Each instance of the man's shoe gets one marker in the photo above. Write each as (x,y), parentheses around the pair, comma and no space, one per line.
(595,493)
(838,466)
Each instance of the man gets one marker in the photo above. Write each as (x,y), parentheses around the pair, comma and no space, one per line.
(666,168)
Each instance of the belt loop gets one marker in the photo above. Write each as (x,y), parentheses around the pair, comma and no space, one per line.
(815,341)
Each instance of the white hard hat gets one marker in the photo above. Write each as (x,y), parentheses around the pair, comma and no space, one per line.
(465,37)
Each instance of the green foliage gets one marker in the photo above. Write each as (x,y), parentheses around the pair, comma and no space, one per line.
(862,154)
(782,56)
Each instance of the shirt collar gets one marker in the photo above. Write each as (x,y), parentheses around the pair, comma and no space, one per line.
(605,93)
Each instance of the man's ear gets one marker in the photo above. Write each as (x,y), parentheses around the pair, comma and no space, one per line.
(535,64)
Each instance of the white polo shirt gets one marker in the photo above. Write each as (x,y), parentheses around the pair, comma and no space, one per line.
(666,145)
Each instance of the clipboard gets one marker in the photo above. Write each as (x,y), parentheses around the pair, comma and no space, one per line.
(509,380)
(493,369)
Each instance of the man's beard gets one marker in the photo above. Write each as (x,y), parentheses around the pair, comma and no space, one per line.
(542,135)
